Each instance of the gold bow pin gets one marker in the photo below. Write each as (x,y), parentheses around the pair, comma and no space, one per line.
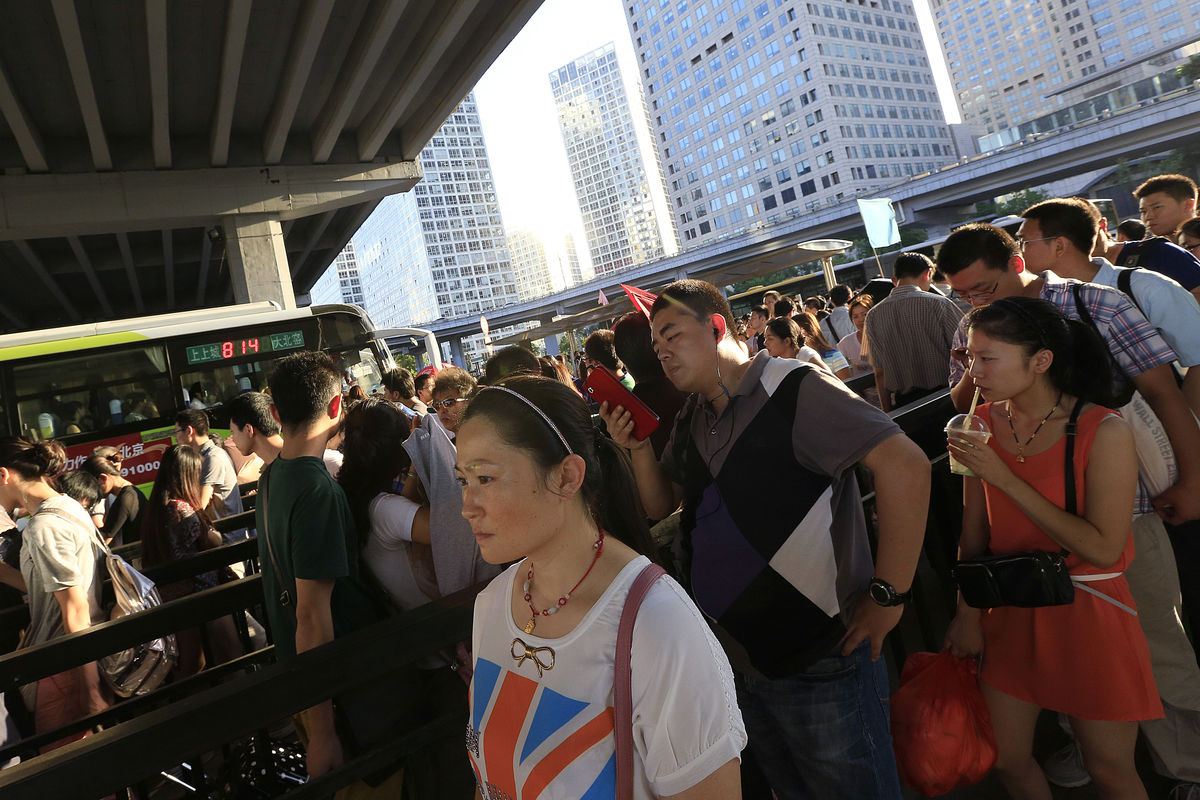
(521,651)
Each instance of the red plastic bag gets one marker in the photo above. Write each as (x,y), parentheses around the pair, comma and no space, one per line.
(940,724)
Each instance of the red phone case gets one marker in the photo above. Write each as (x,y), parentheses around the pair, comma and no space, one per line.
(604,387)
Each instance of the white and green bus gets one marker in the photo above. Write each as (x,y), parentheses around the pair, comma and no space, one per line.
(122,382)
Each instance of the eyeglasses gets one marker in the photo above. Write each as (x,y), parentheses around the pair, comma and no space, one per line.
(1022,242)
(969,296)
(449,403)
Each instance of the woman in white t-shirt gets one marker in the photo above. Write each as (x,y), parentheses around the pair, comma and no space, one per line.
(374,466)
(58,564)
(540,484)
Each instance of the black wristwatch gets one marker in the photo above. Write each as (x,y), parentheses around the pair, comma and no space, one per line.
(884,594)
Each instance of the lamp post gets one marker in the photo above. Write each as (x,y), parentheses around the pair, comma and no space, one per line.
(825,250)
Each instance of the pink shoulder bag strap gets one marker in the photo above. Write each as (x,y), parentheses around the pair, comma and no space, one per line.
(622,681)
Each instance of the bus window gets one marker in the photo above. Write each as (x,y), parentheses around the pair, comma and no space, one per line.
(68,395)
(211,386)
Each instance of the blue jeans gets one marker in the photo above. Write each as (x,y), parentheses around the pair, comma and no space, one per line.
(824,733)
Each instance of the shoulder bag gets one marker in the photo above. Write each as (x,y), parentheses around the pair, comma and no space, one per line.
(1026,580)
(140,669)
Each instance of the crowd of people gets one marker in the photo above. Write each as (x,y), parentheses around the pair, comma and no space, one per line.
(755,663)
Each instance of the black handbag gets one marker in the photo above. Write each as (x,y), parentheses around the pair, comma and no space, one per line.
(1025,580)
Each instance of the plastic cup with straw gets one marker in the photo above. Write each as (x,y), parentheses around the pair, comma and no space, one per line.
(971,426)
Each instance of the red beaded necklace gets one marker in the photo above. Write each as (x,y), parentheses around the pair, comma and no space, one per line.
(598,546)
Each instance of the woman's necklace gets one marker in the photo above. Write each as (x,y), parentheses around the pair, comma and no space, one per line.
(1036,431)
(598,546)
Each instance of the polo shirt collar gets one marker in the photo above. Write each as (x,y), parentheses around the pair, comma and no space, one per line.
(1106,274)
(904,288)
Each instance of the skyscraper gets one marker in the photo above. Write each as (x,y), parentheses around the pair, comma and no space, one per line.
(1013,60)
(439,250)
(611,180)
(569,260)
(767,110)
(341,282)
(530,265)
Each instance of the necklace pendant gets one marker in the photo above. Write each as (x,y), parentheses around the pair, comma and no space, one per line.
(1020,460)
(530,625)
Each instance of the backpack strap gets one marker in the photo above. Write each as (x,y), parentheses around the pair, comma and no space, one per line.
(623,681)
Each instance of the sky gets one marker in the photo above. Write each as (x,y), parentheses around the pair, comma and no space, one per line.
(529,162)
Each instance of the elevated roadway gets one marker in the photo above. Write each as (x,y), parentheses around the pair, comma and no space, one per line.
(936,198)
(160,156)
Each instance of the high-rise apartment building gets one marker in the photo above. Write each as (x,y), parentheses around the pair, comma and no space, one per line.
(1014,60)
(569,260)
(530,265)
(341,282)
(611,180)
(768,109)
(439,250)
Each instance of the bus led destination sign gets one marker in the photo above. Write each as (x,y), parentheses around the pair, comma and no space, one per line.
(248,346)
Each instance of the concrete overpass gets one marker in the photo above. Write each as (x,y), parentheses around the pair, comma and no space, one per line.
(935,199)
(165,155)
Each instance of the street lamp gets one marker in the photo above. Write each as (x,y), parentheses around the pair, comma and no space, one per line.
(825,250)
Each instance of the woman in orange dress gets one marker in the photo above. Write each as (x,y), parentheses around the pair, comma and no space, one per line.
(1088,659)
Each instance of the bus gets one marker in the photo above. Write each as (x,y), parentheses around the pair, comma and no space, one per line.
(121,383)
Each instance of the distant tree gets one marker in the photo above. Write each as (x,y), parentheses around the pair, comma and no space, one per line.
(1014,205)
(909,235)
(1191,70)
(408,361)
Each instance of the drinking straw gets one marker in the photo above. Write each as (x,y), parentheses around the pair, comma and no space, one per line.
(971,413)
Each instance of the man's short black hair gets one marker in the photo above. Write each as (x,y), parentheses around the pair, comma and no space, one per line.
(421,381)
(1177,187)
(193,418)
(1133,229)
(599,348)
(814,303)
(911,265)
(977,241)
(784,306)
(253,408)
(839,295)
(512,360)
(761,311)
(302,386)
(631,339)
(81,486)
(700,297)
(399,380)
(1075,220)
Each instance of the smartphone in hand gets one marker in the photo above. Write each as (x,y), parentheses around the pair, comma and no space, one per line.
(605,387)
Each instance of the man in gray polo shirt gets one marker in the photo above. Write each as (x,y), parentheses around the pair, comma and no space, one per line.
(763,456)
(910,332)
(218,478)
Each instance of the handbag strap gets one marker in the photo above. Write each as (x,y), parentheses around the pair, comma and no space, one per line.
(264,535)
(622,678)
(1069,462)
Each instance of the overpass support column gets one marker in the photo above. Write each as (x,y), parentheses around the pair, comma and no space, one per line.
(456,352)
(258,262)
(552,348)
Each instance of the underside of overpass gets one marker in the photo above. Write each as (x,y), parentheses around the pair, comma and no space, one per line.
(159,156)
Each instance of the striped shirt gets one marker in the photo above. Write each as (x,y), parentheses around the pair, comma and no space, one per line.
(910,333)
(1135,345)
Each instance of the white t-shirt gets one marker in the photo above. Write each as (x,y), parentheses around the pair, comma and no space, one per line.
(333,462)
(550,736)
(388,546)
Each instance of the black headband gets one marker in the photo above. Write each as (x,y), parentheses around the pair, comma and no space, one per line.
(1025,315)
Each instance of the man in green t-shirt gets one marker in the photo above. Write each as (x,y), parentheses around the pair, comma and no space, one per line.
(309,556)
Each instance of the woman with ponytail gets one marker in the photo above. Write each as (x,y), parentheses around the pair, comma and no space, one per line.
(58,563)
(542,487)
(1037,370)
